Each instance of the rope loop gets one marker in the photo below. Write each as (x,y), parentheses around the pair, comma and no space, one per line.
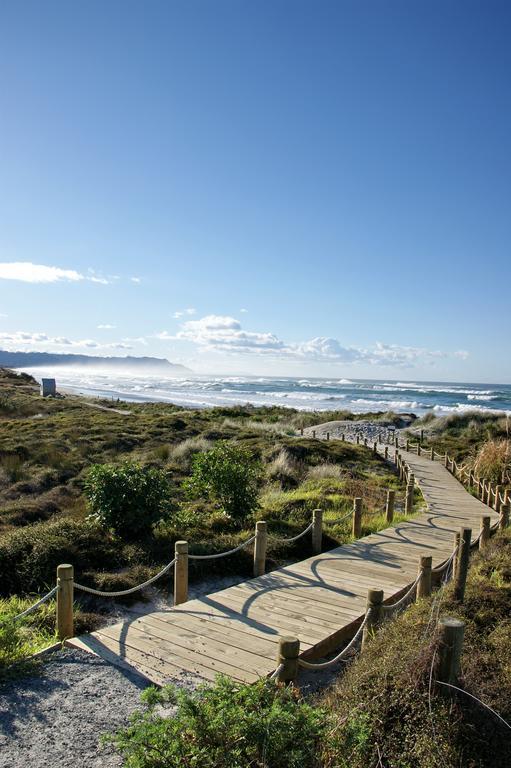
(122,592)
(340,656)
(33,607)
(223,554)
(293,538)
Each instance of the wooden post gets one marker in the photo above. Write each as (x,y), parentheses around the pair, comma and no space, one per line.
(301,431)
(379,438)
(314,434)
(424,585)
(181,572)
(328,435)
(450,643)
(498,489)
(396,458)
(409,498)
(375,606)
(317,530)
(432,454)
(260,545)
(386,452)
(343,437)
(456,549)
(446,461)
(287,656)
(65,582)
(418,449)
(484,537)
(358,439)
(422,435)
(389,506)
(507,496)
(407,445)
(504,517)
(470,480)
(365,442)
(357,517)
(396,441)
(462,564)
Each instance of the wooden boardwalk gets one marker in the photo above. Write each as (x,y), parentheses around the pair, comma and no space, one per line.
(320,600)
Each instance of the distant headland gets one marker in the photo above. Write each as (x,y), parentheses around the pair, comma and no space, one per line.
(46,359)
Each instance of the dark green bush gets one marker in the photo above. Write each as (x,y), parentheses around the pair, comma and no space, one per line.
(29,556)
(128,498)
(228,476)
(227,725)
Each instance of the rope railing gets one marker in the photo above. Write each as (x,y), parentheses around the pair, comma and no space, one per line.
(123,592)
(35,606)
(393,607)
(330,663)
(292,538)
(442,567)
(224,554)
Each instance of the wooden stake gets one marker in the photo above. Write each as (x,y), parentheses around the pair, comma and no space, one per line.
(424,585)
(260,546)
(317,530)
(409,498)
(328,435)
(375,447)
(450,645)
(65,581)
(484,538)
(456,549)
(389,506)
(504,517)
(386,452)
(446,461)
(181,572)
(287,656)
(375,605)
(357,517)
(462,564)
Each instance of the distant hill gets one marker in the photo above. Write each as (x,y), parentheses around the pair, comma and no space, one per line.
(53,360)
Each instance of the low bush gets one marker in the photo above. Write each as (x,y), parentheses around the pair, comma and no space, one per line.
(227,475)
(227,725)
(493,461)
(127,499)
(184,451)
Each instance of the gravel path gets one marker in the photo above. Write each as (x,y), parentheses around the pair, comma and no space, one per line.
(57,717)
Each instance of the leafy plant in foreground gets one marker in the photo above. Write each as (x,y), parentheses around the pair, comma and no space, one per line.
(227,725)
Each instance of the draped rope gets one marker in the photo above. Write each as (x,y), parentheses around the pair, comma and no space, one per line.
(122,592)
(36,605)
(223,554)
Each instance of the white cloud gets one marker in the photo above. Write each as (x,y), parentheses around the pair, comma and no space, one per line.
(27,272)
(136,280)
(462,354)
(21,340)
(243,310)
(225,334)
(105,327)
(182,312)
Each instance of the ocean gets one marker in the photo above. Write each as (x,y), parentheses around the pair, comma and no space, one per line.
(311,394)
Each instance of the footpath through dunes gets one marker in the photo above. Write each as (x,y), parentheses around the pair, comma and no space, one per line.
(320,600)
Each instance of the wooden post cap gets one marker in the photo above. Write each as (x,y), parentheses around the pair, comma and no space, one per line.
(65,571)
(289,647)
(181,548)
(261,525)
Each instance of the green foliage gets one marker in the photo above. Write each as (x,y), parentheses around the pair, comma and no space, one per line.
(228,476)
(128,498)
(22,638)
(227,725)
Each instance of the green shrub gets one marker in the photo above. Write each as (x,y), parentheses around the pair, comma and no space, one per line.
(228,476)
(29,556)
(227,725)
(128,498)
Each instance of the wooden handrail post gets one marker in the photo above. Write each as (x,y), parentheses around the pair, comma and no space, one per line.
(407,446)
(65,597)
(410,486)
(386,452)
(287,658)
(389,506)
(317,531)
(375,447)
(379,438)
(314,434)
(328,435)
(446,460)
(422,435)
(419,447)
(260,546)
(357,517)
(504,517)
(181,572)
(498,489)
(375,608)
(432,454)
(450,644)
(365,442)
(301,431)
(484,537)
(343,437)
(462,564)
(456,549)
(470,480)
(424,585)
(358,439)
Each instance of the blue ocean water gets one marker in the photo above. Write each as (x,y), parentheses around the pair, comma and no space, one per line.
(320,394)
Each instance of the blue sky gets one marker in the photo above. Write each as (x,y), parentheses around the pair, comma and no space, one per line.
(278,187)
